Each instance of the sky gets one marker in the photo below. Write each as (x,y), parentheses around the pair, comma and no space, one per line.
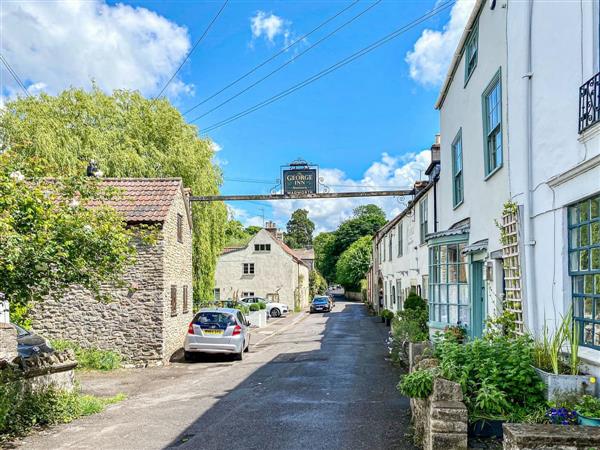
(367,125)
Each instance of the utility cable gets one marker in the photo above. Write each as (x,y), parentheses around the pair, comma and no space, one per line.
(14,75)
(271,58)
(288,62)
(333,67)
(193,48)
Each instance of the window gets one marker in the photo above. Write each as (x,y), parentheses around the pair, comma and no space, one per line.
(448,285)
(400,239)
(248,268)
(262,247)
(390,245)
(492,125)
(423,219)
(179,228)
(173,300)
(425,287)
(217,294)
(457,170)
(584,268)
(383,247)
(249,294)
(471,48)
(186,307)
(400,294)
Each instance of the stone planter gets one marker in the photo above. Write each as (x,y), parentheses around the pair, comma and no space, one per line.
(589,421)
(485,428)
(388,322)
(559,385)
(521,436)
(258,319)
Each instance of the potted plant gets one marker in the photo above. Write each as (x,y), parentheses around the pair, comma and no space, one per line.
(387,315)
(456,332)
(588,411)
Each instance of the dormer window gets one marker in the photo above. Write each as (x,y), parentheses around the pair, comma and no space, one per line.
(471,50)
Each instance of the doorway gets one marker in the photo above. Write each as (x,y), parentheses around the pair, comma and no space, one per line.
(477,299)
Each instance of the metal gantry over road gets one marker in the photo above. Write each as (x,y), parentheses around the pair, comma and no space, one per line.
(300,180)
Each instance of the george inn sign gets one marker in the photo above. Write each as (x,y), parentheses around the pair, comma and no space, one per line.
(300,180)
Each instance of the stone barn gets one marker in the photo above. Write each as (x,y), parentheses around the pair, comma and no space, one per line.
(147,318)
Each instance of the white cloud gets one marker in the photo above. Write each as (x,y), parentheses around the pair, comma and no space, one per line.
(215,147)
(431,55)
(55,45)
(390,172)
(269,26)
(243,216)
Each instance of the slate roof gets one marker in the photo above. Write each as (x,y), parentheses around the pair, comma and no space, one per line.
(305,253)
(142,200)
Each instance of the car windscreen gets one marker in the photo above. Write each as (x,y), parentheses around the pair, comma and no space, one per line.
(214,320)
(320,300)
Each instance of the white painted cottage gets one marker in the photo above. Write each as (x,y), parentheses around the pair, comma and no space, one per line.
(266,267)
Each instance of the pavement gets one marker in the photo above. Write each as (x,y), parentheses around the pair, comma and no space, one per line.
(319,381)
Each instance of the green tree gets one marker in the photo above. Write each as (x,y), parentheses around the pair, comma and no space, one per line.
(129,136)
(299,230)
(316,283)
(370,209)
(325,258)
(252,229)
(353,264)
(50,239)
(235,234)
(367,220)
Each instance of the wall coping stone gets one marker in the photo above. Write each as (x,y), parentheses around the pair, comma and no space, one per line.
(546,436)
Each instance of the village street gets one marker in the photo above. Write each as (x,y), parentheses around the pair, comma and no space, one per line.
(317,381)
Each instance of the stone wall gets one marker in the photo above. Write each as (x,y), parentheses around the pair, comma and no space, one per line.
(177,272)
(518,436)
(8,342)
(131,323)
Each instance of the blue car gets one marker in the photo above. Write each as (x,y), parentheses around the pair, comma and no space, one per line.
(320,304)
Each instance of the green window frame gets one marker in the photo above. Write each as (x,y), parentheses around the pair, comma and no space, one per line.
(471,51)
(492,125)
(449,301)
(400,239)
(423,226)
(457,170)
(584,268)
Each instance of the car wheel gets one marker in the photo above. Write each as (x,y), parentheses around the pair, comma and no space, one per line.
(188,356)
(239,356)
(275,312)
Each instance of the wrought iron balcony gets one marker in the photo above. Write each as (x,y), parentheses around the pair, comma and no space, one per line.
(589,103)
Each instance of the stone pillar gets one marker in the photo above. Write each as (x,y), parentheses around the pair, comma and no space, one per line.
(8,342)
(448,420)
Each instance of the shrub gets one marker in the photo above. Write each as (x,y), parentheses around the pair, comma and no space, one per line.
(496,376)
(91,358)
(588,406)
(254,307)
(407,326)
(241,307)
(47,406)
(262,305)
(414,302)
(387,314)
(418,384)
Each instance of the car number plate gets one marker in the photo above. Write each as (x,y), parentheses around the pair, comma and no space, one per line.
(212,331)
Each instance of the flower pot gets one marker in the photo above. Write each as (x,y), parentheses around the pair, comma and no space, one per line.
(388,322)
(382,319)
(486,428)
(560,385)
(589,421)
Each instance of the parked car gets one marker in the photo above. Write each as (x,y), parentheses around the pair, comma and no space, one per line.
(217,330)
(320,304)
(29,343)
(274,309)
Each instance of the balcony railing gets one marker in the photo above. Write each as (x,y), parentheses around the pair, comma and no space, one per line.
(589,103)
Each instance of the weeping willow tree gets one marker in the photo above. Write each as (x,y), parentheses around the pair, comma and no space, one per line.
(128,136)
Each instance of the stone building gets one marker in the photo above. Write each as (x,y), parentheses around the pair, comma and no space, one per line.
(147,317)
(266,267)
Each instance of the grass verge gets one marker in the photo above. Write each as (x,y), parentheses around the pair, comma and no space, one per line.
(90,358)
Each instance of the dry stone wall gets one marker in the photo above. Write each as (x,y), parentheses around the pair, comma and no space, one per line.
(131,323)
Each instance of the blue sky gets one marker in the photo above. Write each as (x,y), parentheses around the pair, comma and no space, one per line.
(365,124)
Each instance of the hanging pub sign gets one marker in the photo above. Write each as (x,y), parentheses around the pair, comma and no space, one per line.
(300,181)
(299,178)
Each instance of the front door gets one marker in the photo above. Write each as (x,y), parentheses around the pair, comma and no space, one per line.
(478,299)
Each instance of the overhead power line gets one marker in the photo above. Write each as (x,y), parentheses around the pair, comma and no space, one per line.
(14,75)
(271,58)
(332,68)
(193,48)
(291,60)
(288,62)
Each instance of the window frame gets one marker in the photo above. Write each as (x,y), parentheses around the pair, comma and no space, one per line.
(471,42)
(180,228)
(585,283)
(457,175)
(248,269)
(497,130)
(185,300)
(173,300)
(262,248)
(423,219)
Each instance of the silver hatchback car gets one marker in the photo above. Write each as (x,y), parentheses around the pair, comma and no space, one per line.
(217,330)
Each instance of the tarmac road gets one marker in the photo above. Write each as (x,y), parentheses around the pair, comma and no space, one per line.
(319,381)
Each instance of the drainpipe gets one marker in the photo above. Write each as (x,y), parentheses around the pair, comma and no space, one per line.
(530,277)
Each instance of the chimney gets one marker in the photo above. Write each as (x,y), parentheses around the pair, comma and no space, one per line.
(420,185)
(271,227)
(435,150)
